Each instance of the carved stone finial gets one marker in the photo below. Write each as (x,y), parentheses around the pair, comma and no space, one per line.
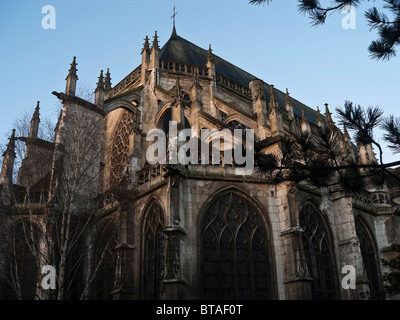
(72,70)
(210,55)
(155,42)
(100,83)
(146,46)
(288,100)
(273,103)
(36,112)
(107,80)
(328,115)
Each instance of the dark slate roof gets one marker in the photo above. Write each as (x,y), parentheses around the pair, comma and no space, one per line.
(181,50)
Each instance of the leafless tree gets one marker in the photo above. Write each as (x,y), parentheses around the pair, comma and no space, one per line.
(54,221)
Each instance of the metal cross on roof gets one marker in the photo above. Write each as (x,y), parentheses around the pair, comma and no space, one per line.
(173,16)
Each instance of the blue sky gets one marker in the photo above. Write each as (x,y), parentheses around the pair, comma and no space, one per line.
(321,65)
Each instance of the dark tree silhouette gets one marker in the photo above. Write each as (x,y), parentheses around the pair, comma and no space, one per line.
(325,157)
(388,29)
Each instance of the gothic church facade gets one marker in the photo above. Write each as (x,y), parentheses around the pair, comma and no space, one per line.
(199,231)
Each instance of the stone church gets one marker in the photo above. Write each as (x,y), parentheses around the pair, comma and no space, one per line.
(192,231)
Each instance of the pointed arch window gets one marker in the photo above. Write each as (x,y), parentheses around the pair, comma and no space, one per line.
(153,251)
(104,254)
(236,261)
(369,254)
(236,125)
(23,268)
(318,250)
(166,118)
(120,149)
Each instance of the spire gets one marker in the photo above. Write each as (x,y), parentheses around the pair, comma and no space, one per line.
(146,46)
(173,19)
(71,79)
(35,122)
(36,112)
(155,61)
(107,81)
(100,83)
(8,161)
(99,93)
(72,70)
(155,42)
(145,60)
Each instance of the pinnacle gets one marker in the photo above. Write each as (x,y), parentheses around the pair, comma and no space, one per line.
(36,112)
(11,144)
(155,41)
(328,115)
(288,99)
(210,55)
(107,80)
(72,70)
(146,46)
(100,83)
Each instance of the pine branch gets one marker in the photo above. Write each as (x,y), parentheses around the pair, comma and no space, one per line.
(392,136)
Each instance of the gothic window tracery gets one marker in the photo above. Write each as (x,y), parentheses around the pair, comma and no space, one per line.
(318,252)
(153,252)
(120,149)
(235,250)
(368,253)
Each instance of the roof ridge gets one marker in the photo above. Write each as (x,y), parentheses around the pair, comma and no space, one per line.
(181,50)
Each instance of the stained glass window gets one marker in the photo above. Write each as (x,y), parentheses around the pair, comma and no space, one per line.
(235,256)
(368,253)
(120,148)
(318,252)
(153,255)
